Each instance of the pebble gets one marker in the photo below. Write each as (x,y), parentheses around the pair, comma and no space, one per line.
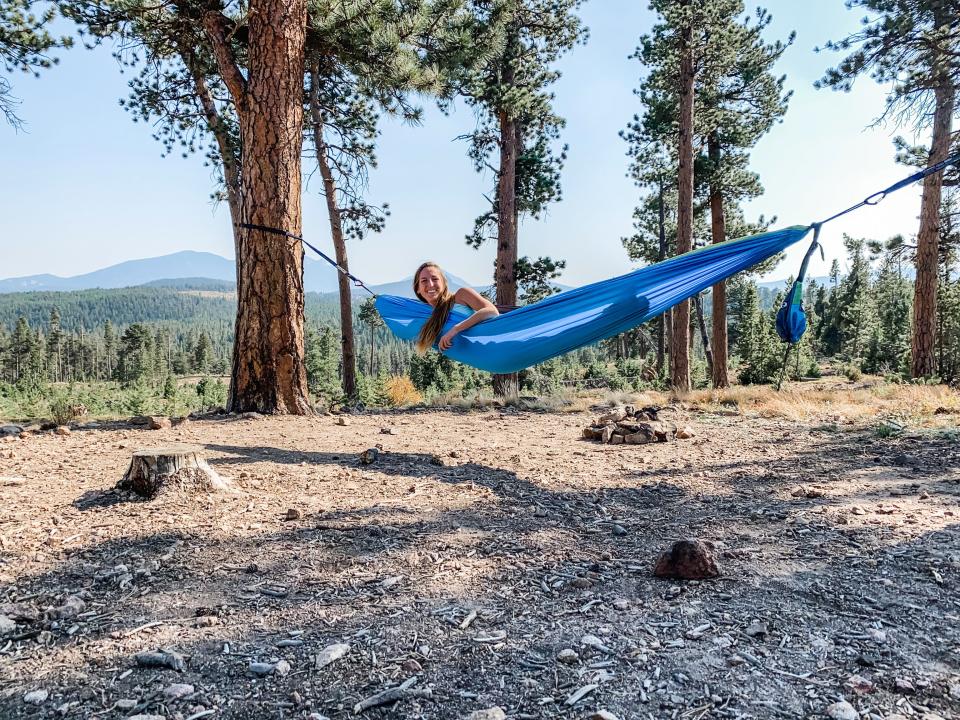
(603,715)
(282,668)
(177,691)
(343,421)
(125,704)
(568,656)
(331,653)
(842,711)
(492,713)
(756,629)
(36,697)
(261,668)
(621,604)
(294,514)
(7,625)
(411,666)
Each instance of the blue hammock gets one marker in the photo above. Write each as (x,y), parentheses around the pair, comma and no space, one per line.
(561,323)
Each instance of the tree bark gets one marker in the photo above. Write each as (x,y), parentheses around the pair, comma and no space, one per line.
(505,276)
(347,335)
(680,355)
(704,338)
(718,311)
(268,372)
(923,341)
(229,155)
(665,318)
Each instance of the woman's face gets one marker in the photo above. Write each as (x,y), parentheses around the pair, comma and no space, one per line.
(431,284)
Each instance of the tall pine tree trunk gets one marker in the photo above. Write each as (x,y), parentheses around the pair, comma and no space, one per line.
(268,372)
(680,352)
(347,336)
(505,274)
(664,320)
(229,154)
(925,287)
(718,311)
(702,325)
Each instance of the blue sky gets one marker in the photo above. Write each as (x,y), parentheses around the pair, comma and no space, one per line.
(84,187)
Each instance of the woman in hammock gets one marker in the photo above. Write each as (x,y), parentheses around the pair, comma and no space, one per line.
(430,286)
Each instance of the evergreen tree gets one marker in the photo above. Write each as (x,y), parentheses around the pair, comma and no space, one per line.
(912,45)
(370,317)
(510,94)
(202,354)
(135,355)
(25,42)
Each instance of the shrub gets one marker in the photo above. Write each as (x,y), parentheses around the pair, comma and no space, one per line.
(400,390)
(61,409)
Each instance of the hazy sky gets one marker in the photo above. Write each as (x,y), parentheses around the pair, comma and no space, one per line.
(84,187)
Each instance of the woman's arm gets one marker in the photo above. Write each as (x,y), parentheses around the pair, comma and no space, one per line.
(483,310)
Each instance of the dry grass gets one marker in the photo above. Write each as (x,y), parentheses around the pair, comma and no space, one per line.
(836,400)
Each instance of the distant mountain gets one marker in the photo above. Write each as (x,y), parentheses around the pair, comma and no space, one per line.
(190,270)
(187,264)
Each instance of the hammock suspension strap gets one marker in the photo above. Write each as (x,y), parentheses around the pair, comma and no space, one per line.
(276,231)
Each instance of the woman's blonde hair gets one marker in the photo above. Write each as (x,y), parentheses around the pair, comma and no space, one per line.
(441,311)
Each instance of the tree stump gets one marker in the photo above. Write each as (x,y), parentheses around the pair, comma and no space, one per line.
(181,466)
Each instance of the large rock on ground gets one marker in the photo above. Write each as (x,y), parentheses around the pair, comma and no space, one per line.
(687,560)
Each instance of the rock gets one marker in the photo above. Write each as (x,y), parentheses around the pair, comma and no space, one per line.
(877,636)
(171,660)
(568,656)
(618,529)
(687,560)
(607,433)
(7,626)
(293,514)
(842,711)
(71,607)
(261,669)
(177,691)
(411,666)
(903,685)
(756,629)
(621,604)
(62,430)
(36,697)
(142,716)
(603,715)
(251,416)
(344,421)
(125,704)
(592,641)
(684,433)
(10,430)
(330,654)
(388,431)
(282,668)
(158,422)
(492,713)
(369,455)
(206,621)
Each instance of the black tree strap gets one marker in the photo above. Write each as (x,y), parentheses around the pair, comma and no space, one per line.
(276,231)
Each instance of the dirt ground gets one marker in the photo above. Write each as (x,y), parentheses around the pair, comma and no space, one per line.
(485,559)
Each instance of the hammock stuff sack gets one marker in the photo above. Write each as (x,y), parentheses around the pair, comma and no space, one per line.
(564,322)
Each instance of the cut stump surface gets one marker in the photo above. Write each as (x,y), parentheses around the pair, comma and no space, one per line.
(181,466)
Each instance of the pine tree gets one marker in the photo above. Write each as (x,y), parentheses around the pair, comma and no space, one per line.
(739,102)
(913,46)
(25,42)
(510,93)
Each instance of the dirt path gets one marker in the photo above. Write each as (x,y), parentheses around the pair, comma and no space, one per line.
(491,558)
